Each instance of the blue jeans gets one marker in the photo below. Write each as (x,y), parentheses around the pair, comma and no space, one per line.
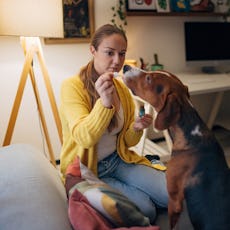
(143,185)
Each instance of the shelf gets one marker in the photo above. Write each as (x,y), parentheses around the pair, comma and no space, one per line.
(177,14)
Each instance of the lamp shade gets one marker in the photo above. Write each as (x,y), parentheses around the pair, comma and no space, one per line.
(43,18)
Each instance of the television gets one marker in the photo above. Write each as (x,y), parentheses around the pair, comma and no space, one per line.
(207,44)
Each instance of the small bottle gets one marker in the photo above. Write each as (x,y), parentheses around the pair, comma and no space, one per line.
(141,111)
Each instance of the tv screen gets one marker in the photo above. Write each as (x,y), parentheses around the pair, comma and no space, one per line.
(207,42)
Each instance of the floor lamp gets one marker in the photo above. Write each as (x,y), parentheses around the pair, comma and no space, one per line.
(31,19)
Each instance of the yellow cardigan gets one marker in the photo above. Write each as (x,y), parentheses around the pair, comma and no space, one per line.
(83,126)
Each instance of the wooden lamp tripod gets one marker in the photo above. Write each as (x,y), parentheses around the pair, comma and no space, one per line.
(28,18)
(31,47)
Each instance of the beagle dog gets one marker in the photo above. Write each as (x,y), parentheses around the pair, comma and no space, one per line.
(197,171)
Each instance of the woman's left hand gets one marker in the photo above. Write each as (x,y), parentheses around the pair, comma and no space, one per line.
(143,122)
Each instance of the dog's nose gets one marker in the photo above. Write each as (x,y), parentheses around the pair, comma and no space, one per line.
(126,68)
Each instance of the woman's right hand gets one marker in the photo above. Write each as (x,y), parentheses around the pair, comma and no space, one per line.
(105,88)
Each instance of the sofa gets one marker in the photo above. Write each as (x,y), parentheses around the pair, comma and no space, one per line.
(32,195)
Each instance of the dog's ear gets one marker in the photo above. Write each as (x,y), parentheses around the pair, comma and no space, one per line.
(169,114)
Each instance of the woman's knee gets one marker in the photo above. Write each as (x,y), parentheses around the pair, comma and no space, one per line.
(148,208)
(144,203)
(138,197)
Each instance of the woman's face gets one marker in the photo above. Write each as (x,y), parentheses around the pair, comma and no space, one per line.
(110,55)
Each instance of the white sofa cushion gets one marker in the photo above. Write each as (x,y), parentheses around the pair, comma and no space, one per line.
(32,195)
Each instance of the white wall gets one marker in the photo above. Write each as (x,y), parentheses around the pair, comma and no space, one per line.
(147,35)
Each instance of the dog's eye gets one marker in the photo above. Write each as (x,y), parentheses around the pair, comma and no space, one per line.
(148,78)
(159,89)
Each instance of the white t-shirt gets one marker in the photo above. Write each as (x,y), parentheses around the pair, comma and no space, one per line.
(108,141)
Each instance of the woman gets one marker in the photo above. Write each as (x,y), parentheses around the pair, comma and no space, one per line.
(97,114)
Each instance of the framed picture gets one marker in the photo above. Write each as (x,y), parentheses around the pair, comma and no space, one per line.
(141,5)
(164,5)
(181,5)
(78,22)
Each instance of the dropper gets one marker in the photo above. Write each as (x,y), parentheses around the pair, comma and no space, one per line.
(116,74)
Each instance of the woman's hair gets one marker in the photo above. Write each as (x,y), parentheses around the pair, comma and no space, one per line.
(88,73)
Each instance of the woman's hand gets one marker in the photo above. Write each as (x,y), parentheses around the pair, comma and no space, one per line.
(143,122)
(105,88)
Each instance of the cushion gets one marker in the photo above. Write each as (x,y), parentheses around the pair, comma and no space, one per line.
(32,195)
(110,203)
(84,217)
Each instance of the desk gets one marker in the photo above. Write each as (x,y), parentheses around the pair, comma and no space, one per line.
(207,83)
(198,83)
